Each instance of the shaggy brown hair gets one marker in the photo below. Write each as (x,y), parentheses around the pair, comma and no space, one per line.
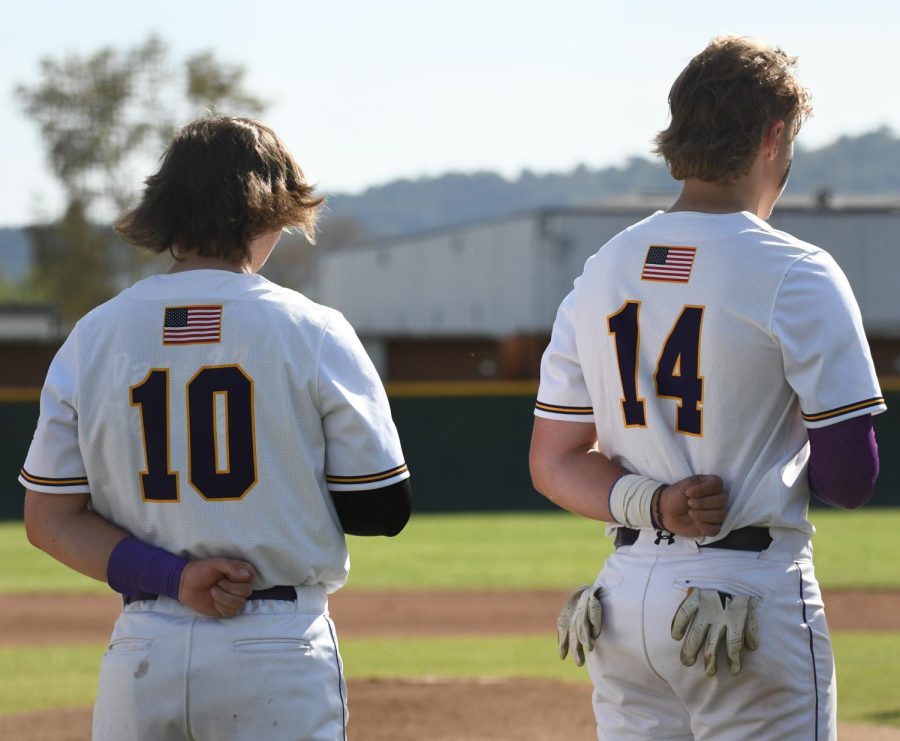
(223,182)
(722,103)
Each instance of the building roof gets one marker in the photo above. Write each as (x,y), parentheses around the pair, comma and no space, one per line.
(638,205)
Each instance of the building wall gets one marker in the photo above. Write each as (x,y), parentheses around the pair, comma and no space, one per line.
(487,282)
(471,282)
(867,247)
(569,239)
(865,244)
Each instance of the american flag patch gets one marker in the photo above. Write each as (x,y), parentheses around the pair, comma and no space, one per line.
(669,264)
(184,325)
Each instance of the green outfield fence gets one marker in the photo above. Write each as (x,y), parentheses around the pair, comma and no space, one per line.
(466,445)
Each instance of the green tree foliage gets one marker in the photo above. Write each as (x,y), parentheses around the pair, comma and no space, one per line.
(104,118)
(17,291)
(72,262)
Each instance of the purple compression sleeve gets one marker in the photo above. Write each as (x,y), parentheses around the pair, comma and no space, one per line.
(135,566)
(843,462)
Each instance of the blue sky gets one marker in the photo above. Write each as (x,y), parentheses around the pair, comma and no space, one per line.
(364,92)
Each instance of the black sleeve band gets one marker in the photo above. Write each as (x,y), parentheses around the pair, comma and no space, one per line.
(383,511)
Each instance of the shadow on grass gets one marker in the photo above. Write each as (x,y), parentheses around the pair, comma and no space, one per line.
(884,717)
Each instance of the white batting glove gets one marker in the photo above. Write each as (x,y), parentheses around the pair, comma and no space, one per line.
(578,624)
(705,616)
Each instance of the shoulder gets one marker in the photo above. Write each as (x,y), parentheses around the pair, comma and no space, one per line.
(286,304)
(798,258)
(108,314)
(618,245)
(767,237)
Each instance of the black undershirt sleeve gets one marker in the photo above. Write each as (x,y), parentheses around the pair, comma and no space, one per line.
(383,511)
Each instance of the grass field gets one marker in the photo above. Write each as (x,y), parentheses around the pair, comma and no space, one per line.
(66,676)
(853,550)
(527,551)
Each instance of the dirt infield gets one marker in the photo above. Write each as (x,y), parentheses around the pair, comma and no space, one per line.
(429,710)
(409,709)
(44,619)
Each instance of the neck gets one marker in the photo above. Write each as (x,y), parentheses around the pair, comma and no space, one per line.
(753,192)
(714,198)
(192,261)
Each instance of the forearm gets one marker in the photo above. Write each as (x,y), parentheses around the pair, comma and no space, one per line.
(63,527)
(568,469)
(579,482)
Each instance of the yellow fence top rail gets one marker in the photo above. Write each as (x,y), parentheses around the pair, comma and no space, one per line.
(398,389)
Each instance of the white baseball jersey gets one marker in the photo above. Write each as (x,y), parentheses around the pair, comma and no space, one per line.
(706,343)
(209,413)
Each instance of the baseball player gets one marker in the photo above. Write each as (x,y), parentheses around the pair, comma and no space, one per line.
(703,340)
(205,440)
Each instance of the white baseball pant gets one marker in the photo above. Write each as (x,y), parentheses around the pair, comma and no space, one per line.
(786,689)
(273,672)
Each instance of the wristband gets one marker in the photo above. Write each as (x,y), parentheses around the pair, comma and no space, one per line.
(656,509)
(630,500)
(135,567)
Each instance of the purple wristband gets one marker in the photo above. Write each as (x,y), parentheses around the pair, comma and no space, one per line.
(135,567)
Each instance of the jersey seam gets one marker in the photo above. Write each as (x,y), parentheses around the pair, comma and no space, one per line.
(371,478)
(319,361)
(842,410)
(778,295)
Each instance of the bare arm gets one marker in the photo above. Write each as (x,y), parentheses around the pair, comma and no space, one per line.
(62,526)
(567,468)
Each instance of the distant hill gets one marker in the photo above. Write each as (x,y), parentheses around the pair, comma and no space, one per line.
(866,164)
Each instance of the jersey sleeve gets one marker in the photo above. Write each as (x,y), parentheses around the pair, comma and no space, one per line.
(826,355)
(563,394)
(54,464)
(362,448)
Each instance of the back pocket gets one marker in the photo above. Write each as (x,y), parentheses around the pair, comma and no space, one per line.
(729,586)
(273,646)
(129,645)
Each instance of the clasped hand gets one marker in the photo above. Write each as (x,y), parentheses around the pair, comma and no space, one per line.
(694,507)
(217,587)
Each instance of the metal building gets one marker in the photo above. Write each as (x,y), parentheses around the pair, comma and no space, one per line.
(478,300)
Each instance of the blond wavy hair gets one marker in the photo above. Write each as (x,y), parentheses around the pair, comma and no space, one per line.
(721,104)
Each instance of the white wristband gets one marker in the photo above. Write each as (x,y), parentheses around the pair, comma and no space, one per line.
(630,499)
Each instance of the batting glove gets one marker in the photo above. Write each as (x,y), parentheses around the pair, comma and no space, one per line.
(705,617)
(578,624)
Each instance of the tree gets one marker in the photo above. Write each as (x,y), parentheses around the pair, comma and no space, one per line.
(103,118)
